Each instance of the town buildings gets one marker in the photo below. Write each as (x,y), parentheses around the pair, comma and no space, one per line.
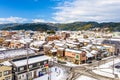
(76,47)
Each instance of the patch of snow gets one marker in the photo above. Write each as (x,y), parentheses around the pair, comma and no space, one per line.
(107,69)
(7,63)
(104,73)
(82,77)
(57,73)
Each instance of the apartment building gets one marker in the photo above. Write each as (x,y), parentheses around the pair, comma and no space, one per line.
(31,68)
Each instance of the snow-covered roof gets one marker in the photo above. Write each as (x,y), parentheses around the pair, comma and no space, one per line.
(8,40)
(72,42)
(89,55)
(94,52)
(71,45)
(47,45)
(99,47)
(14,53)
(1,56)
(25,41)
(85,48)
(34,48)
(7,63)
(114,39)
(57,41)
(89,45)
(50,42)
(75,51)
(59,44)
(60,48)
(53,50)
(38,43)
(30,60)
(83,40)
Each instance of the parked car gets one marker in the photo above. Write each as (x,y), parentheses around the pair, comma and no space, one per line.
(89,61)
(98,58)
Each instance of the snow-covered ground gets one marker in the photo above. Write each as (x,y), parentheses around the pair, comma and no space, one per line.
(107,69)
(61,74)
(70,64)
(57,73)
(82,77)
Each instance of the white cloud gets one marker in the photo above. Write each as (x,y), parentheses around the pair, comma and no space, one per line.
(38,20)
(88,10)
(12,20)
(42,20)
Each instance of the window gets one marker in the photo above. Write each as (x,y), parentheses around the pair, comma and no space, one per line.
(44,70)
(22,75)
(83,55)
(30,66)
(30,74)
(0,74)
(7,72)
(38,64)
(7,78)
(21,68)
(42,66)
(19,77)
(14,69)
(45,62)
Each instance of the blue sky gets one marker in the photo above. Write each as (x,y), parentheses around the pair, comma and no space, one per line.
(28,9)
(12,11)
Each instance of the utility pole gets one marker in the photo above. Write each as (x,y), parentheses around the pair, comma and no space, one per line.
(113,61)
(27,75)
(112,53)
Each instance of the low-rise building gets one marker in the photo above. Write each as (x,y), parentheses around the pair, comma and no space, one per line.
(75,56)
(53,37)
(114,43)
(31,68)
(5,72)
(60,52)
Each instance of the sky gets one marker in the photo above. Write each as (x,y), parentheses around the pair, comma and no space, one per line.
(60,11)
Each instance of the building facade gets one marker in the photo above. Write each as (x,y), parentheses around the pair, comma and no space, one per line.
(34,67)
(75,56)
(5,72)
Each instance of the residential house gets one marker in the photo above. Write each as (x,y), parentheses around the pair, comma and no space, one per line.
(53,37)
(47,48)
(114,43)
(75,56)
(60,52)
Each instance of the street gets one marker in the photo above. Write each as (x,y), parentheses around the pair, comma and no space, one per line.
(75,72)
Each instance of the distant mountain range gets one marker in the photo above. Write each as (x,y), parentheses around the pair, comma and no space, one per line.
(59,26)
(8,25)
